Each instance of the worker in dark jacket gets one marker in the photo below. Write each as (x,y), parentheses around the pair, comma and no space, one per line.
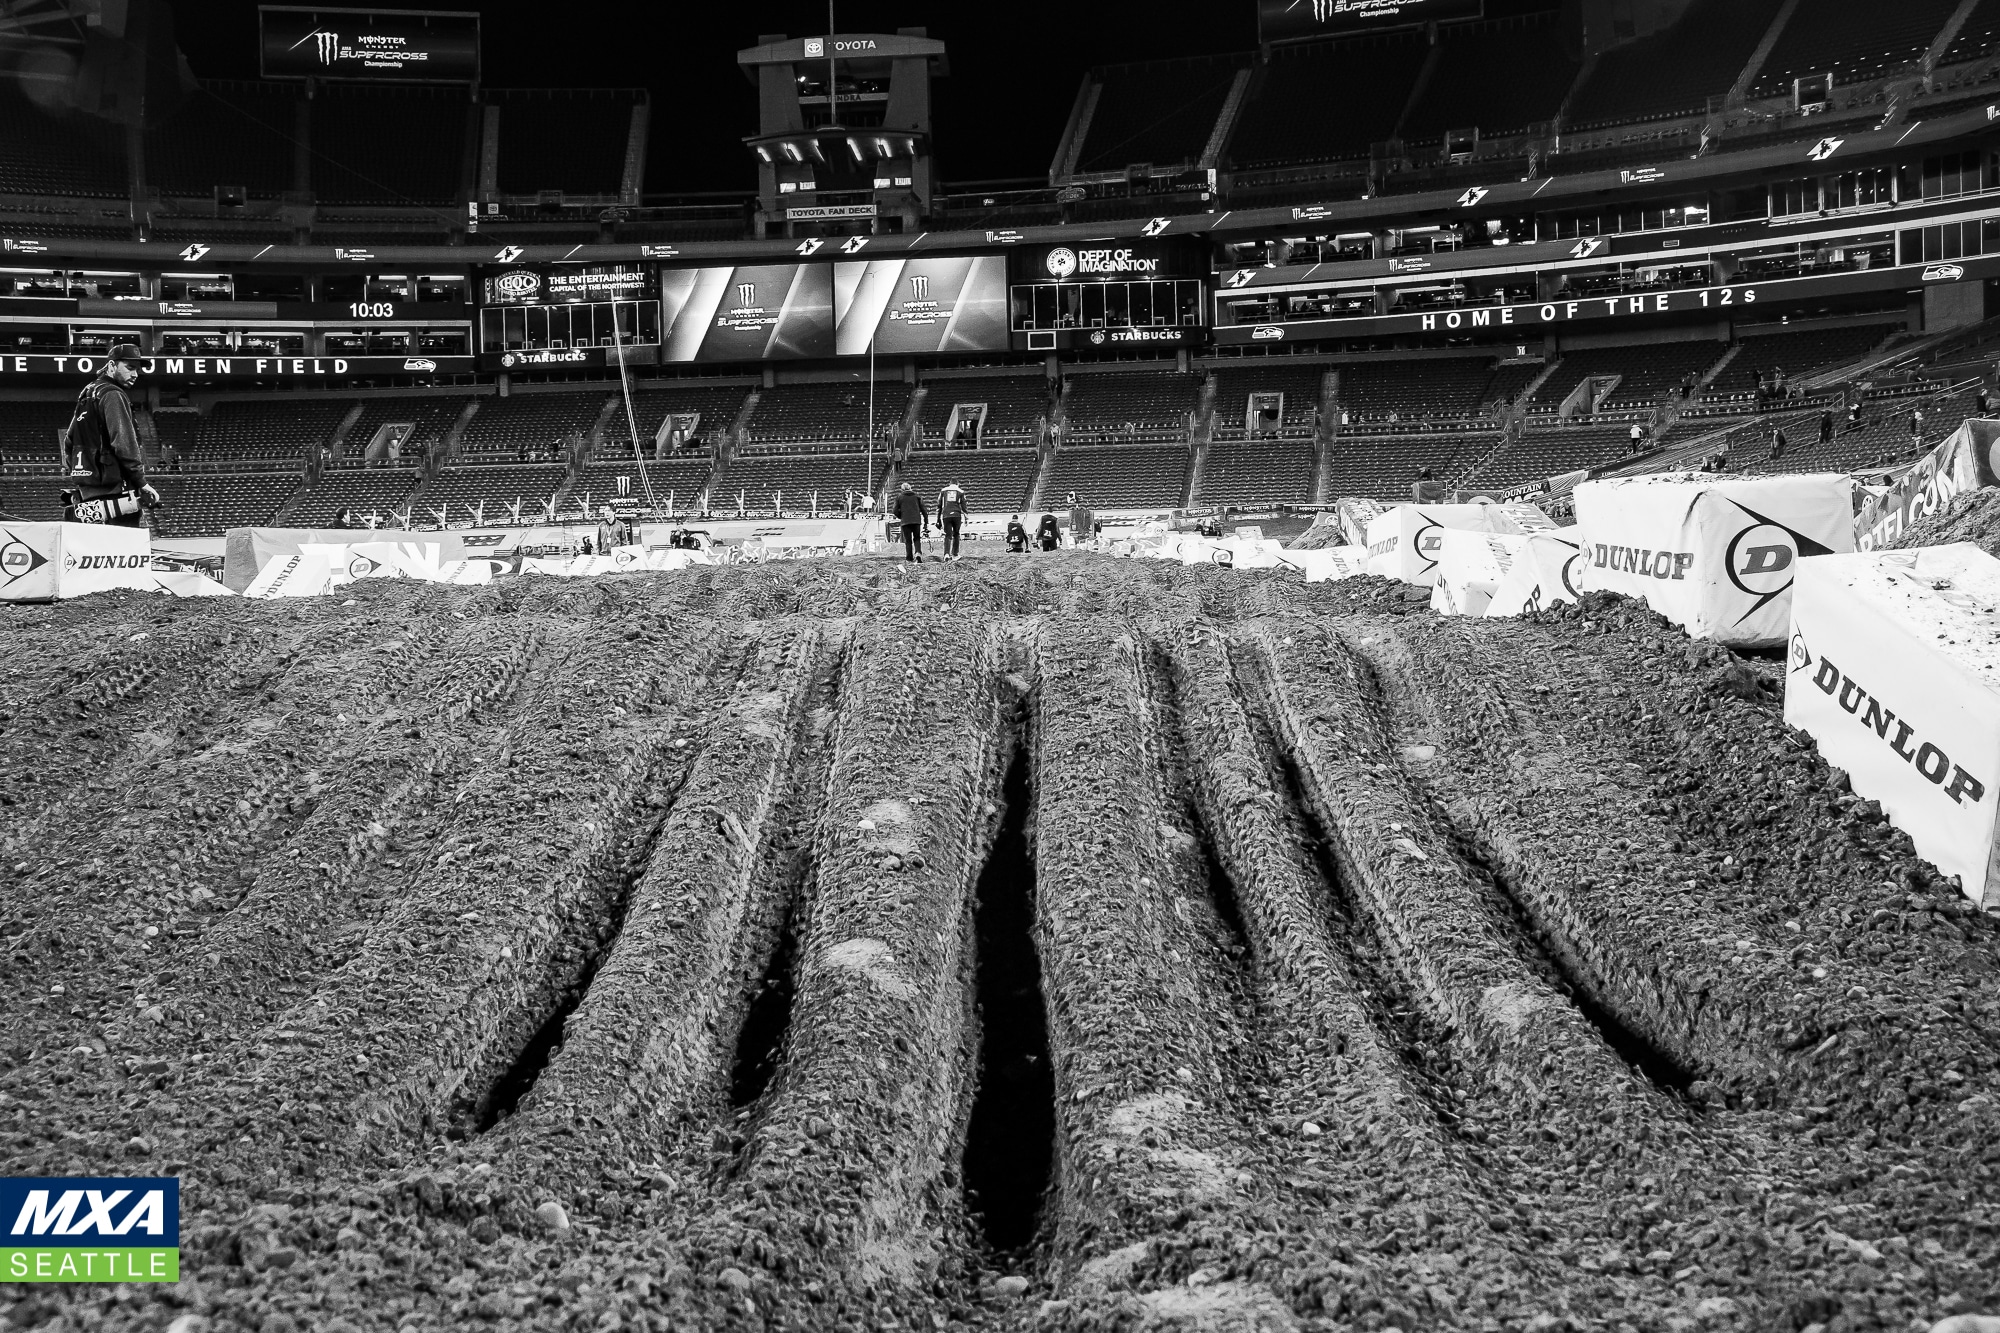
(910,512)
(951,507)
(1047,536)
(101,449)
(1017,536)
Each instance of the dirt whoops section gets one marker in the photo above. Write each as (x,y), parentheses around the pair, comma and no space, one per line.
(1064,943)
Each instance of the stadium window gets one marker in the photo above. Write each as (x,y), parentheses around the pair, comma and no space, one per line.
(1093,306)
(1792,197)
(445,287)
(388,287)
(1117,310)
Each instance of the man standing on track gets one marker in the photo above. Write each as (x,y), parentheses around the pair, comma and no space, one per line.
(951,509)
(100,449)
(915,519)
(1017,537)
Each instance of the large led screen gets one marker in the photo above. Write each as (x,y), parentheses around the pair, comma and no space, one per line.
(910,306)
(410,47)
(1288,20)
(752,312)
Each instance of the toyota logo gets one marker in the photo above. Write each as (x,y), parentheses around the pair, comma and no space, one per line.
(1061,261)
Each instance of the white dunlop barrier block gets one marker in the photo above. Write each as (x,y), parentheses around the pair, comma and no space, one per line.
(1329,563)
(190,584)
(308,571)
(1470,567)
(1403,542)
(1894,669)
(1715,555)
(1543,575)
(1354,516)
(44,562)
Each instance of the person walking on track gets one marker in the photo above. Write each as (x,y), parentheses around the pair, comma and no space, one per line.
(100,449)
(916,521)
(951,507)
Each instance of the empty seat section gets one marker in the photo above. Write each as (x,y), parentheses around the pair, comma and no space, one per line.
(1327,103)
(1498,78)
(785,482)
(1677,71)
(1646,373)
(389,146)
(1851,41)
(57,152)
(1300,386)
(28,430)
(676,480)
(372,492)
(1510,380)
(996,481)
(208,504)
(1978,36)
(1439,390)
(1546,453)
(278,428)
(1384,467)
(1116,476)
(226,134)
(1130,405)
(827,416)
(428,419)
(530,421)
(1160,113)
(460,487)
(1256,472)
(572,141)
(1806,351)
(34,497)
(714,406)
(1015,406)
(1884,433)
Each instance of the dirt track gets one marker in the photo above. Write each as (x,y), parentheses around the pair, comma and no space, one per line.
(1060,943)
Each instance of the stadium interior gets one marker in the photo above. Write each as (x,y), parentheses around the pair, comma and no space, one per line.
(1505,249)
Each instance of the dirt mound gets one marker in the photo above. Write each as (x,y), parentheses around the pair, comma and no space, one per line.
(1053,943)
(1972,516)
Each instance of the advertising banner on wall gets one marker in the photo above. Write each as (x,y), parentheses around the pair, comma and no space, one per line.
(564,286)
(1891,669)
(1717,556)
(1963,462)
(1293,20)
(44,562)
(921,305)
(412,46)
(169,367)
(747,312)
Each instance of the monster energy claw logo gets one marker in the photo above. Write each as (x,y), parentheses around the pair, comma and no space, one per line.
(746,293)
(920,288)
(325,41)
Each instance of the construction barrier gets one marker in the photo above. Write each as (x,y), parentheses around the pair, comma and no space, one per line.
(1895,671)
(1716,555)
(47,562)
(1403,542)
(1544,575)
(1963,462)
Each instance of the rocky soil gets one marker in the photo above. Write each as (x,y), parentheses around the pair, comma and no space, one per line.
(1062,943)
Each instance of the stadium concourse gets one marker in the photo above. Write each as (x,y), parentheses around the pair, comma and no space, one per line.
(1475,811)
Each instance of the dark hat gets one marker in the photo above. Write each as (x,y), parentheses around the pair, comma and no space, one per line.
(129,353)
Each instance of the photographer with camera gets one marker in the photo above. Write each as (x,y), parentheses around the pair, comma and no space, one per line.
(100,449)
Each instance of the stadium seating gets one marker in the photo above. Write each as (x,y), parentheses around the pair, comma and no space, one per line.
(1647,373)
(431,416)
(1431,390)
(1978,37)
(1120,476)
(208,504)
(1510,380)
(226,133)
(1383,467)
(1160,113)
(1545,453)
(680,479)
(1014,406)
(826,416)
(1850,41)
(459,487)
(374,491)
(1118,405)
(766,479)
(995,480)
(28,429)
(32,497)
(1299,383)
(389,146)
(1884,433)
(717,405)
(1807,351)
(1497,77)
(1327,102)
(530,421)
(569,140)
(276,428)
(56,151)
(1674,72)
(1257,472)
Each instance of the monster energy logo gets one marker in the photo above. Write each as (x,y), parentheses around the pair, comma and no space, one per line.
(920,288)
(746,293)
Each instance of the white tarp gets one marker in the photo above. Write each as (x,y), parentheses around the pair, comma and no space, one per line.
(1470,566)
(1543,575)
(42,562)
(1894,668)
(1714,554)
(247,552)
(190,583)
(1403,542)
(306,571)
(1330,562)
